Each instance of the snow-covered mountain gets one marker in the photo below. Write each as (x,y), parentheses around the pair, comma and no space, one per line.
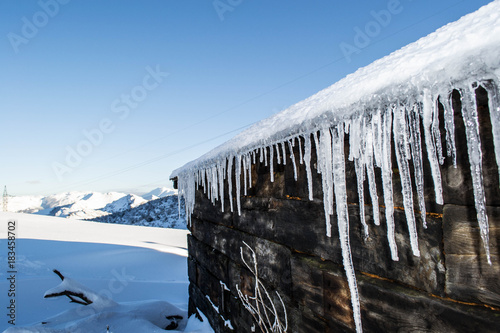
(159,192)
(162,212)
(84,205)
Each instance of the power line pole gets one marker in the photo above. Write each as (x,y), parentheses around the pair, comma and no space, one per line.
(5,199)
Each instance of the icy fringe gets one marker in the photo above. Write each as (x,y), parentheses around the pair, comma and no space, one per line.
(373,129)
(261,305)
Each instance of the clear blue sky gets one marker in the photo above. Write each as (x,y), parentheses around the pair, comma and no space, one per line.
(100,67)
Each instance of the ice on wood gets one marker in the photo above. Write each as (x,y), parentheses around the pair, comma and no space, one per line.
(494,106)
(292,157)
(402,156)
(383,107)
(430,144)
(325,166)
(469,113)
(339,182)
(416,152)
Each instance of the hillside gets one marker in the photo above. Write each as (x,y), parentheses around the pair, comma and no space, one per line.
(162,212)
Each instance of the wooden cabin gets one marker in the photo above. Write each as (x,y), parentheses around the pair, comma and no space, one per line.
(372,206)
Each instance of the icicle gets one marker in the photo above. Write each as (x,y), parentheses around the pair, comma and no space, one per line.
(316,144)
(187,189)
(406,130)
(346,125)
(301,155)
(261,154)
(230,180)
(278,158)
(245,184)
(324,153)
(449,125)
(238,183)
(207,182)
(221,174)
(271,162)
(355,139)
(254,152)
(360,177)
(210,189)
(372,186)
(436,133)
(469,114)
(494,106)
(416,150)
(402,156)
(292,157)
(307,162)
(356,154)
(431,148)
(385,144)
(179,195)
(264,149)
(203,177)
(249,170)
(370,172)
(214,184)
(284,152)
(377,137)
(343,219)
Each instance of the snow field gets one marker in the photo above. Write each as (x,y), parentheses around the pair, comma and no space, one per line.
(142,270)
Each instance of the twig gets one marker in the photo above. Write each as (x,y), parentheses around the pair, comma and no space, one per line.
(263,310)
(75,297)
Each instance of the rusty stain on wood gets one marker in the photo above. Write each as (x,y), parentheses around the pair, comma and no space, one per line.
(377,277)
(465,303)
(435,215)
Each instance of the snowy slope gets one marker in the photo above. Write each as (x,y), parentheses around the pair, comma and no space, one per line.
(143,270)
(25,204)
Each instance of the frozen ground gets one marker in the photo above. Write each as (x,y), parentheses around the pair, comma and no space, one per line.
(132,265)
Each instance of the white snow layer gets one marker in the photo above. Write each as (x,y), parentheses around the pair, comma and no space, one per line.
(389,98)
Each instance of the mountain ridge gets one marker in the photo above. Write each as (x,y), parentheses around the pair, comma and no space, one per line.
(85,205)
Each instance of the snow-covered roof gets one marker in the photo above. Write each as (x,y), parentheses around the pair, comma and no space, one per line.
(462,49)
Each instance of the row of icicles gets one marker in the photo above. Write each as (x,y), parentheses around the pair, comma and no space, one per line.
(400,120)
